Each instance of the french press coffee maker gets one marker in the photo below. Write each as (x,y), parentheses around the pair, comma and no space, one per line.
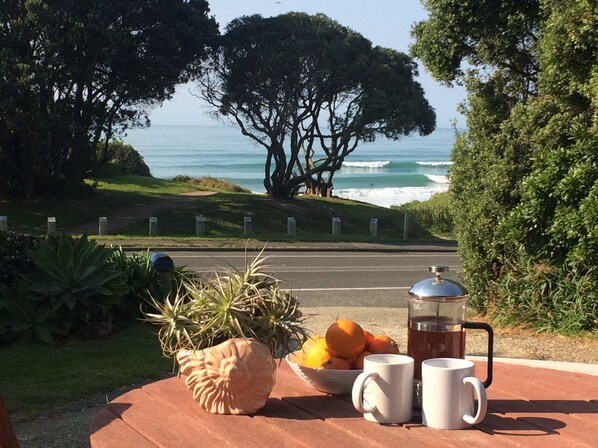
(436,322)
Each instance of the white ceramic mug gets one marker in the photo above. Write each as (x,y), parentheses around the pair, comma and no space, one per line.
(384,391)
(448,386)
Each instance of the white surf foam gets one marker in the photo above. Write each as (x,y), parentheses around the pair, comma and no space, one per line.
(385,197)
(373,164)
(438,179)
(435,163)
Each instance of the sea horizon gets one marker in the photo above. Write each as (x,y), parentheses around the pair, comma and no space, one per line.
(384,172)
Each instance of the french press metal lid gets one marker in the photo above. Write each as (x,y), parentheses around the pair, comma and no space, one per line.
(438,288)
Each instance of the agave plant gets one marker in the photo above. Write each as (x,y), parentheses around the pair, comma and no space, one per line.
(234,304)
(76,273)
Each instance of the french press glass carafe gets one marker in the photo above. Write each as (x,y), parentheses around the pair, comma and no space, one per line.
(436,322)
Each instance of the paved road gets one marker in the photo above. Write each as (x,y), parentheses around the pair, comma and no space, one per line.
(336,278)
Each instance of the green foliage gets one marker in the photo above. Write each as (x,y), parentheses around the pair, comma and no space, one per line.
(77,289)
(210,183)
(79,283)
(434,214)
(75,73)
(13,254)
(500,34)
(142,281)
(234,304)
(547,297)
(524,183)
(27,317)
(309,90)
(125,158)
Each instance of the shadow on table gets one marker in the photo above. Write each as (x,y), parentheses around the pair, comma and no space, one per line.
(544,406)
(520,426)
(310,407)
(523,418)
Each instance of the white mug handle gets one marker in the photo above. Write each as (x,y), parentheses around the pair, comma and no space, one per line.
(357,392)
(482,401)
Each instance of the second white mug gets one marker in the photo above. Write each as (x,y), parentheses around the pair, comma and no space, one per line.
(384,391)
(448,386)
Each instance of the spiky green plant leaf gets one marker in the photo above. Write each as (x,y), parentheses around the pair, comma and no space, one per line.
(231,304)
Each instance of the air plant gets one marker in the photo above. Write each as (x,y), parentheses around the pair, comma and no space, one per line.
(233,304)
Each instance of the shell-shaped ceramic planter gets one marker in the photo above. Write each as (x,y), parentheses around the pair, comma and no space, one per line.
(235,377)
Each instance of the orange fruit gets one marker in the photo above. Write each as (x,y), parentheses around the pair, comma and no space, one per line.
(368,338)
(336,363)
(345,339)
(359,359)
(314,352)
(312,342)
(384,344)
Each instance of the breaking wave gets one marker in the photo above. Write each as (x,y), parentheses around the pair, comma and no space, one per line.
(373,164)
(385,197)
(435,163)
(437,178)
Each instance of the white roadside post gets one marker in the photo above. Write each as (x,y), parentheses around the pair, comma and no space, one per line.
(103,226)
(51,225)
(247,225)
(291,226)
(336,225)
(406,226)
(3,223)
(374,227)
(200,225)
(153,226)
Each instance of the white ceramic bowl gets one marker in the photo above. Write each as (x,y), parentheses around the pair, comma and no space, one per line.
(324,380)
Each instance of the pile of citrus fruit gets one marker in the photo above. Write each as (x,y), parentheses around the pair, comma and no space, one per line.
(344,347)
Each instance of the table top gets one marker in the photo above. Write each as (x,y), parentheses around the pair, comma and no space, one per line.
(527,406)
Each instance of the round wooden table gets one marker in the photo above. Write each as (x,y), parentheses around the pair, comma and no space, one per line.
(530,407)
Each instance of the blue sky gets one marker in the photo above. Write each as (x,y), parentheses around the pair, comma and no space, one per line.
(384,22)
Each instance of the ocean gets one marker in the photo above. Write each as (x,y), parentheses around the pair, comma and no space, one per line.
(383,172)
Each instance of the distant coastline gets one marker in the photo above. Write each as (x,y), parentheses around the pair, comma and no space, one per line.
(383,172)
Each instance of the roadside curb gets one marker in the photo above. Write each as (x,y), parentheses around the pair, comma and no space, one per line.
(170,246)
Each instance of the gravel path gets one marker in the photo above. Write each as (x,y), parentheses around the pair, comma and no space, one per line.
(67,427)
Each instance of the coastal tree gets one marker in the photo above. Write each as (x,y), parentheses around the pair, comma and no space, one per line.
(74,73)
(524,179)
(309,90)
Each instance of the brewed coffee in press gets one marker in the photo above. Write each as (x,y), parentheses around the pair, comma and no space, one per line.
(436,323)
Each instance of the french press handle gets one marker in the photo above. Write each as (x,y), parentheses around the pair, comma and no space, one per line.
(484,326)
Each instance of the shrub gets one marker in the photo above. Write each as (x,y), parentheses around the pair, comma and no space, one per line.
(13,254)
(141,279)
(547,297)
(27,317)
(126,159)
(211,183)
(434,214)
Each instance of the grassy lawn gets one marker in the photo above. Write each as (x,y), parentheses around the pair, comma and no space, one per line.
(223,212)
(111,193)
(36,377)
